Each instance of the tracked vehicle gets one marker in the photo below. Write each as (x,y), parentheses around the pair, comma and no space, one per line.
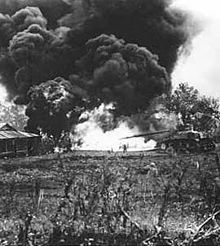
(186,142)
(189,141)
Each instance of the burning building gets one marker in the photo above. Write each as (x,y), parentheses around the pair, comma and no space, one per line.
(14,142)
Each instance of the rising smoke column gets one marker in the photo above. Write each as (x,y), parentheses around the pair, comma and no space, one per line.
(119,52)
(120,73)
(53,10)
(148,23)
(21,20)
(40,56)
(9,27)
(111,71)
(22,36)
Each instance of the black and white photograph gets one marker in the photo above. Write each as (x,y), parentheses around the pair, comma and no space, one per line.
(109,123)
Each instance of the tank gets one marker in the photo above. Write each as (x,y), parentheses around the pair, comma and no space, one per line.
(188,141)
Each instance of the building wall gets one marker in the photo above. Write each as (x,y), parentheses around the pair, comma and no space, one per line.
(13,147)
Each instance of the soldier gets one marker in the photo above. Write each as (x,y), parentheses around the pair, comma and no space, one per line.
(124,148)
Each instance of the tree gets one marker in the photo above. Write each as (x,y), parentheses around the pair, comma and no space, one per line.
(200,112)
(50,105)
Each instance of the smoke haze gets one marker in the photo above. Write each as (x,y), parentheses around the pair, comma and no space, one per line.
(62,58)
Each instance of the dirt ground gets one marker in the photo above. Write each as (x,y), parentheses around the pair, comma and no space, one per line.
(83,195)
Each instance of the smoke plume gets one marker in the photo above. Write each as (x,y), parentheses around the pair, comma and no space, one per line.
(62,58)
(53,10)
(125,74)
(148,23)
(39,56)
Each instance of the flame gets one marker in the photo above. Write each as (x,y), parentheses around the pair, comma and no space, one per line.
(3,94)
(94,138)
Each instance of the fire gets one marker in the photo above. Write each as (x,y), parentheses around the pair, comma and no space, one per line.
(3,94)
(94,138)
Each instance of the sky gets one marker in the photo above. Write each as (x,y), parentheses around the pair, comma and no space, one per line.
(201,68)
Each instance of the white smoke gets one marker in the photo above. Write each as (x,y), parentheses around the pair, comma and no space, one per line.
(3,94)
(92,136)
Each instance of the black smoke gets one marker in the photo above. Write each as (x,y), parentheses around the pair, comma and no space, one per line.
(52,10)
(148,23)
(40,55)
(122,73)
(84,53)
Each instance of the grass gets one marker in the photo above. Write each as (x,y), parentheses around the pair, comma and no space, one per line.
(97,198)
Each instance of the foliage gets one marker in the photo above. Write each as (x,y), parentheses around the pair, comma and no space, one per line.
(49,105)
(47,144)
(195,110)
(109,200)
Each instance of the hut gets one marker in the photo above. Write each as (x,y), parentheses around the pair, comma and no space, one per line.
(14,142)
